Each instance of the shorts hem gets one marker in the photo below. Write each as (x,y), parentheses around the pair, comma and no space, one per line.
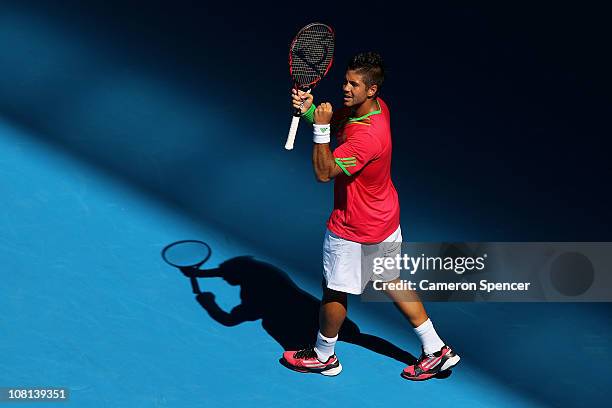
(384,279)
(343,289)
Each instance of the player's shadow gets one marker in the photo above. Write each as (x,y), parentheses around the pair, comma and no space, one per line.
(288,314)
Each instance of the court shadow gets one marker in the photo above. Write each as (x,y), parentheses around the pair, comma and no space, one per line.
(288,314)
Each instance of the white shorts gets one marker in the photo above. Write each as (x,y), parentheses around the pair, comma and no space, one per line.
(347,265)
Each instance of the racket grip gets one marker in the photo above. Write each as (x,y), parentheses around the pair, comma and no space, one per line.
(292,131)
(195,287)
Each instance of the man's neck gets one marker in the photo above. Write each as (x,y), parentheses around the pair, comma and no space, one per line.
(369,105)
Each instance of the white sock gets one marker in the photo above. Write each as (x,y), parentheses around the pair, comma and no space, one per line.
(325,347)
(429,338)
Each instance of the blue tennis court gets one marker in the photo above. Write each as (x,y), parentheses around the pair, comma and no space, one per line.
(88,304)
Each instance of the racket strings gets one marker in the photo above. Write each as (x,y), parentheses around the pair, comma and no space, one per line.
(312,54)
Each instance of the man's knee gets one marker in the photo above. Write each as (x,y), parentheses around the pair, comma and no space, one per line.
(330,295)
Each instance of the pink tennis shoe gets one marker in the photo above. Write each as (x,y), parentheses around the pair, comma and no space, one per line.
(428,365)
(306,361)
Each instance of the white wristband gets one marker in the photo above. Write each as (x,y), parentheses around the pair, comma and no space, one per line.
(320,133)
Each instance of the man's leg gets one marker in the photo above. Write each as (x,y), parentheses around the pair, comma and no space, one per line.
(436,355)
(332,312)
(331,316)
(409,304)
(321,357)
(341,269)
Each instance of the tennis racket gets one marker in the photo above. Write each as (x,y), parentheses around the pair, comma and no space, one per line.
(187,254)
(310,57)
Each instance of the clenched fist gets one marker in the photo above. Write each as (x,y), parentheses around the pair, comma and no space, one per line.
(323,114)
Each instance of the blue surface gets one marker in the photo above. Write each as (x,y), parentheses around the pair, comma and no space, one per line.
(88,303)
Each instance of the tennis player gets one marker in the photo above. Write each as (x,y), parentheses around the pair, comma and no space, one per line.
(366,213)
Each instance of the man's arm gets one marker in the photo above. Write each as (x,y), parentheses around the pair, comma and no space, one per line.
(323,162)
(238,315)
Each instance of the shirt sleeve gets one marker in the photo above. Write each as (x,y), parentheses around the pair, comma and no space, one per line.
(357,151)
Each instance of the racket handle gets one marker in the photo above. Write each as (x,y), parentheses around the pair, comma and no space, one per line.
(195,287)
(292,131)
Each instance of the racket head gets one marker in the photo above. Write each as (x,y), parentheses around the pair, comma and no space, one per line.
(311,54)
(189,253)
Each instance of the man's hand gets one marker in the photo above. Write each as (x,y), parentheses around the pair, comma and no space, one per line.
(301,100)
(323,114)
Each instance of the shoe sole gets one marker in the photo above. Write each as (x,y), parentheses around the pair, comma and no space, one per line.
(448,364)
(332,372)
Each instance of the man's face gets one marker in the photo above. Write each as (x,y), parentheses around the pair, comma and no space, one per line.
(355,90)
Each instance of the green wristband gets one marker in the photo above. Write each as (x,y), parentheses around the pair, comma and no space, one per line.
(309,114)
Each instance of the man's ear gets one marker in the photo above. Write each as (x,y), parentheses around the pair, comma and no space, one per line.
(372,91)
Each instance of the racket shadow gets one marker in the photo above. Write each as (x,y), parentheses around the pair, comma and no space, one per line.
(288,314)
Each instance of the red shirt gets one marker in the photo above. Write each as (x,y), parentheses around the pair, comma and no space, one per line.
(366,206)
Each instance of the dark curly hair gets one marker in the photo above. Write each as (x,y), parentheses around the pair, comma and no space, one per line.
(370,65)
